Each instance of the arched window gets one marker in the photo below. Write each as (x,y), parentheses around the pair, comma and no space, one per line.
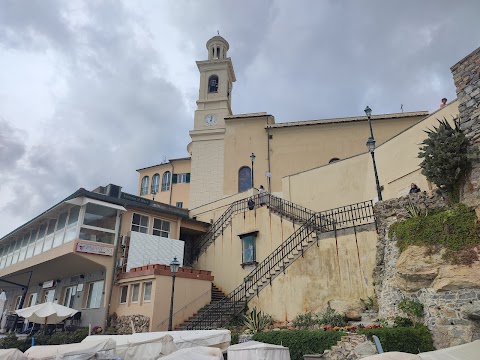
(166,181)
(332,160)
(213,84)
(155,183)
(144,187)
(244,179)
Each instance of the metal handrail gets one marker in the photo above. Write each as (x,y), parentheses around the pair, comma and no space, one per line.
(325,221)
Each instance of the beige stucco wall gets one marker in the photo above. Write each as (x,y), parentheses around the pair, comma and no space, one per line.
(190,296)
(177,192)
(295,149)
(351,180)
(339,268)
(224,256)
(207,169)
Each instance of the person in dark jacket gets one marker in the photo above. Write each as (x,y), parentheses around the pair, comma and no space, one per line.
(414,189)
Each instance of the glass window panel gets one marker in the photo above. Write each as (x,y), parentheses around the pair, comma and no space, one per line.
(96,235)
(147,291)
(69,296)
(51,226)
(62,220)
(135,291)
(73,217)
(123,294)
(244,179)
(161,228)
(140,223)
(100,216)
(94,295)
(248,249)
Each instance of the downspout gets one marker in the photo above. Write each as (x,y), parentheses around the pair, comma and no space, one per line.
(171,183)
(268,158)
(112,280)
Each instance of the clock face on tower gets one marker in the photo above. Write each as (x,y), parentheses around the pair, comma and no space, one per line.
(210,120)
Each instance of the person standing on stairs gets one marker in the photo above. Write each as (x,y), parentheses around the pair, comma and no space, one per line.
(262,195)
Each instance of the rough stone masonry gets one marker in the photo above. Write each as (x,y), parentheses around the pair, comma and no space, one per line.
(466,75)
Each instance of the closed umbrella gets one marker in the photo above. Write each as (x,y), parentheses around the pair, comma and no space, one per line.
(46,313)
(3,317)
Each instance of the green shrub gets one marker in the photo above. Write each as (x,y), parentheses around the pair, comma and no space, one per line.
(305,321)
(331,317)
(301,342)
(235,336)
(59,338)
(407,339)
(413,309)
(454,229)
(402,322)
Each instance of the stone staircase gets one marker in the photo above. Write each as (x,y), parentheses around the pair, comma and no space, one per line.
(217,296)
(312,226)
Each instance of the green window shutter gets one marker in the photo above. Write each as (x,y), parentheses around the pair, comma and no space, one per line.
(174,179)
(188,177)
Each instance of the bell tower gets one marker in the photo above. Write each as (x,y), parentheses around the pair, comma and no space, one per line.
(213,105)
(216,79)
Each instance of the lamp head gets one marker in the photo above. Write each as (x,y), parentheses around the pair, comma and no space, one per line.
(174,265)
(371,144)
(368,111)
(252,157)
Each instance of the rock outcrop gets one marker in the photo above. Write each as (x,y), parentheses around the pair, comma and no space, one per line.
(449,293)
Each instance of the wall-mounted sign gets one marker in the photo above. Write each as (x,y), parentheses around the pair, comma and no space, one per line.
(94,249)
(47,284)
(135,198)
(80,287)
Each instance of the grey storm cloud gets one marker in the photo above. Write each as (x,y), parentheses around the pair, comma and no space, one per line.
(125,81)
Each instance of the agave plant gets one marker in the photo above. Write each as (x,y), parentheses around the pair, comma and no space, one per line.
(257,321)
(415,210)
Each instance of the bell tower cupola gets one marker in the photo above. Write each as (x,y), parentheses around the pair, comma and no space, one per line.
(217,48)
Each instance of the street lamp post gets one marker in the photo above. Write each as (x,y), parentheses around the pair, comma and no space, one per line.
(252,157)
(174,265)
(371,149)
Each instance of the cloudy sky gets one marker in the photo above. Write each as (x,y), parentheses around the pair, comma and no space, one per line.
(92,90)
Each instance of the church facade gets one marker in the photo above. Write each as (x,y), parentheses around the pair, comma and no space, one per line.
(223,142)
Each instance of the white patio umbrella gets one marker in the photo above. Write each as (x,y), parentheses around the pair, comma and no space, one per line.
(46,313)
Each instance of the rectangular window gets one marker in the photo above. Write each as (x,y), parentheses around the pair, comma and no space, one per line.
(140,223)
(180,204)
(32,300)
(181,178)
(17,302)
(49,295)
(94,296)
(161,228)
(135,291)
(71,231)
(123,294)
(100,216)
(249,248)
(69,296)
(147,291)
(59,232)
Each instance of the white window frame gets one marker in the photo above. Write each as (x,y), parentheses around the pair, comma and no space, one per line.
(155,187)
(133,286)
(96,302)
(141,226)
(46,293)
(18,300)
(181,178)
(144,288)
(166,181)
(161,230)
(32,299)
(144,185)
(121,293)
(73,291)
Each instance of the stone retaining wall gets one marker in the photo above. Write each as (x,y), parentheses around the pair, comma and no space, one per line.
(450,294)
(466,75)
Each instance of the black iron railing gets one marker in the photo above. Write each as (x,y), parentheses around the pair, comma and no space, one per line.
(221,312)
